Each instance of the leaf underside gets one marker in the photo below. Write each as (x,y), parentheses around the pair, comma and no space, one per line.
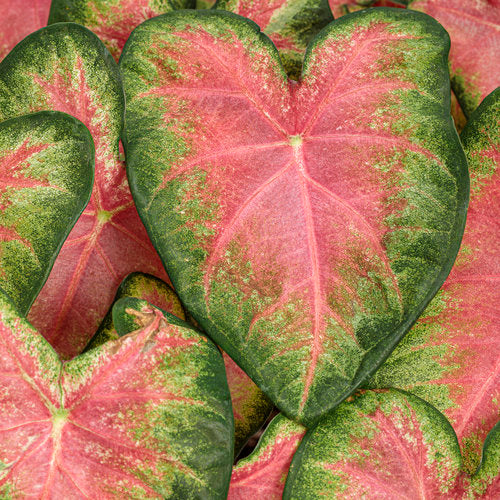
(304,226)
(112,20)
(145,416)
(262,474)
(451,357)
(65,67)
(46,174)
(384,444)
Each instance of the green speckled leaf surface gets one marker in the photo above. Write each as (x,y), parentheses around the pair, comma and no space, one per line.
(305,226)
(46,175)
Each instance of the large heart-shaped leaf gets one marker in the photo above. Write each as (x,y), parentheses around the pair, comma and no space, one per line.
(65,67)
(112,20)
(146,416)
(451,357)
(250,406)
(46,174)
(19,18)
(386,444)
(262,475)
(290,24)
(305,226)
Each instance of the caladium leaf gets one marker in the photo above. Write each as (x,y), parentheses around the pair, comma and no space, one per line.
(290,24)
(19,19)
(146,416)
(342,7)
(305,226)
(250,406)
(205,4)
(474,28)
(262,474)
(112,20)
(485,483)
(451,357)
(142,286)
(386,444)
(46,174)
(66,68)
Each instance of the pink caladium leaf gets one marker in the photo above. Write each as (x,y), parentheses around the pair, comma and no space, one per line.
(262,475)
(305,226)
(451,357)
(145,416)
(290,24)
(66,68)
(46,174)
(474,28)
(387,444)
(250,406)
(112,20)
(19,18)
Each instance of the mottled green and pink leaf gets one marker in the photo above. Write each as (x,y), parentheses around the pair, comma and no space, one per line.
(145,416)
(306,225)
(451,357)
(290,24)
(65,67)
(262,474)
(112,20)
(46,174)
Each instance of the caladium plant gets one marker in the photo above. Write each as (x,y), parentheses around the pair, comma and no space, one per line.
(451,358)
(148,415)
(307,240)
(19,19)
(65,67)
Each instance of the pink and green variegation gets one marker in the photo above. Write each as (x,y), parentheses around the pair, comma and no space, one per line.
(46,174)
(290,24)
(451,357)
(305,226)
(145,416)
(19,18)
(385,444)
(112,20)
(65,67)
(262,475)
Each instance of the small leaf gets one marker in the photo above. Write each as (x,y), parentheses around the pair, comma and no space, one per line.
(46,174)
(205,4)
(341,7)
(451,357)
(19,18)
(262,474)
(384,444)
(145,416)
(290,24)
(305,226)
(112,20)
(65,67)
(142,286)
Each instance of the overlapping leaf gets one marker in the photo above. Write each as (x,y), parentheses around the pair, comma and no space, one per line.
(451,357)
(65,67)
(290,24)
(250,406)
(19,18)
(146,416)
(112,20)
(372,446)
(305,226)
(46,173)
(262,475)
